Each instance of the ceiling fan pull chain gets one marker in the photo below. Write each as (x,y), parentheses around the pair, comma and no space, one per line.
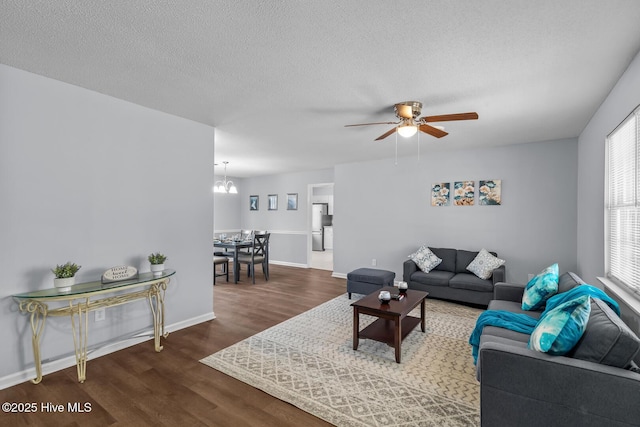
(396,148)
(418,147)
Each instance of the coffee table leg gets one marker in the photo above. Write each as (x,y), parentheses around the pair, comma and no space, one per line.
(398,338)
(356,327)
(422,325)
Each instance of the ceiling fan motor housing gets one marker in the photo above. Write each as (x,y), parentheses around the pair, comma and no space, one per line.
(408,109)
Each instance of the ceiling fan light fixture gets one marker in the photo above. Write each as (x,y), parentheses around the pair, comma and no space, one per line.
(407,130)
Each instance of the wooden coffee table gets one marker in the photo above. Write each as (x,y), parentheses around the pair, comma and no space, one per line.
(393,323)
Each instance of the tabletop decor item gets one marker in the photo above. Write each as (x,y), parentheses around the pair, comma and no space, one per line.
(65,275)
(402,287)
(157,263)
(384,296)
(119,274)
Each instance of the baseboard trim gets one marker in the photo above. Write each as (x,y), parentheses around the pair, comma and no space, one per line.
(101,350)
(339,275)
(289,264)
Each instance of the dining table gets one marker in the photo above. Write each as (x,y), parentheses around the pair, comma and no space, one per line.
(236,246)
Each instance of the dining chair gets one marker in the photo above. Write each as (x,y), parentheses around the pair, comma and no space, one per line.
(224,271)
(259,255)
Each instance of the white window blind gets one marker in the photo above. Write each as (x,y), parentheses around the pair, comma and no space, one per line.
(622,216)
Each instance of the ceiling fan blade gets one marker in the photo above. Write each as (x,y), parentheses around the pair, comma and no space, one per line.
(377,123)
(386,134)
(438,133)
(450,117)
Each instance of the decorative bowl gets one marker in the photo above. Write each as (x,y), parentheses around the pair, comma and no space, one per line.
(384,297)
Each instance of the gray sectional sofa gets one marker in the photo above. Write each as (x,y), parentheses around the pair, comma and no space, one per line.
(451,280)
(596,384)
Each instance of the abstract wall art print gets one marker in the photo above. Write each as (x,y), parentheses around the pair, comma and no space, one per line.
(440,194)
(490,192)
(463,193)
(253,203)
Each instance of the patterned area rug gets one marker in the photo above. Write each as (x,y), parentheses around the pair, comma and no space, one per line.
(309,362)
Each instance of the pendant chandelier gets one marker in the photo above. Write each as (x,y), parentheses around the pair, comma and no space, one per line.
(225,186)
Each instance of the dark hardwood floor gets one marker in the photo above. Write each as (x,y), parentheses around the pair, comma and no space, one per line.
(137,386)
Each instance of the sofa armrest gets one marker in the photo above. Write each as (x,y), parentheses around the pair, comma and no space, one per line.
(499,274)
(522,387)
(508,291)
(409,267)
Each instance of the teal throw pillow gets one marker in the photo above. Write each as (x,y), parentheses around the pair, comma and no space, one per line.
(560,329)
(540,288)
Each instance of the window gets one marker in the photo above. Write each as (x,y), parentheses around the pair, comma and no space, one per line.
(622,204)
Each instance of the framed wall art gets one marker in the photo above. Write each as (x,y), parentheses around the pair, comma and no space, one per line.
(440,194)
(253,203)
(292,201)
(273,202)
(490,192)
(463,193)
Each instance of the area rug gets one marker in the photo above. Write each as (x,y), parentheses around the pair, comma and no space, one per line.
(309,362)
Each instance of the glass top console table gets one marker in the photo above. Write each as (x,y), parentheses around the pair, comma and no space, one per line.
(85,297)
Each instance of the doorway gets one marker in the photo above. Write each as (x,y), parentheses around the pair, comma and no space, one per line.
(320,229)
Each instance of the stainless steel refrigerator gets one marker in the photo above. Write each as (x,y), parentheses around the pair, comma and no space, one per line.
(318,211)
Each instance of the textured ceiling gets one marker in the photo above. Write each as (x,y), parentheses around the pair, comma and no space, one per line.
(280,79)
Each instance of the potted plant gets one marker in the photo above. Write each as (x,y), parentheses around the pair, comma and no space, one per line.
(65,275)
(157,263)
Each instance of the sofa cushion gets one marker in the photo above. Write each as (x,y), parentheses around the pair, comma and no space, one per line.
(484,263)
(448,257)
(497,331)
(568,281)
(471,282)
(425,259)
(560,329)
(463,259)
(607,339)
(540,288)
(434,277)
(513,307)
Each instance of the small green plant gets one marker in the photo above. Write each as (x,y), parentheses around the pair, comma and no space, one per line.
(65,270)
(157,258)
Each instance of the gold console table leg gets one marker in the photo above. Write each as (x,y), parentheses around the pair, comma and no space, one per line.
(156,302)
(38,312)
(80,336)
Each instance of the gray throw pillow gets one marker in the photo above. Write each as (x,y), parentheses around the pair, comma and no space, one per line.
(607,339)
(484,264)
(425,259)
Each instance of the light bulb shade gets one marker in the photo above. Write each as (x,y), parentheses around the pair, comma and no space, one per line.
(225,187)
(407,130)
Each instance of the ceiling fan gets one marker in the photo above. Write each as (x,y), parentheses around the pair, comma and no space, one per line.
(409,123)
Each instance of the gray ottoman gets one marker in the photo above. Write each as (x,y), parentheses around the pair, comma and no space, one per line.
(368,280)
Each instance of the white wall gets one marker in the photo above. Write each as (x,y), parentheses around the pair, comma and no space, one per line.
(624,97)
(95,180)
(383,211)
(226,208)
(289,228)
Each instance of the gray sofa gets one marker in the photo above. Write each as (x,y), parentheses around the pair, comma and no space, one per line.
(451,280)
(594,385)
